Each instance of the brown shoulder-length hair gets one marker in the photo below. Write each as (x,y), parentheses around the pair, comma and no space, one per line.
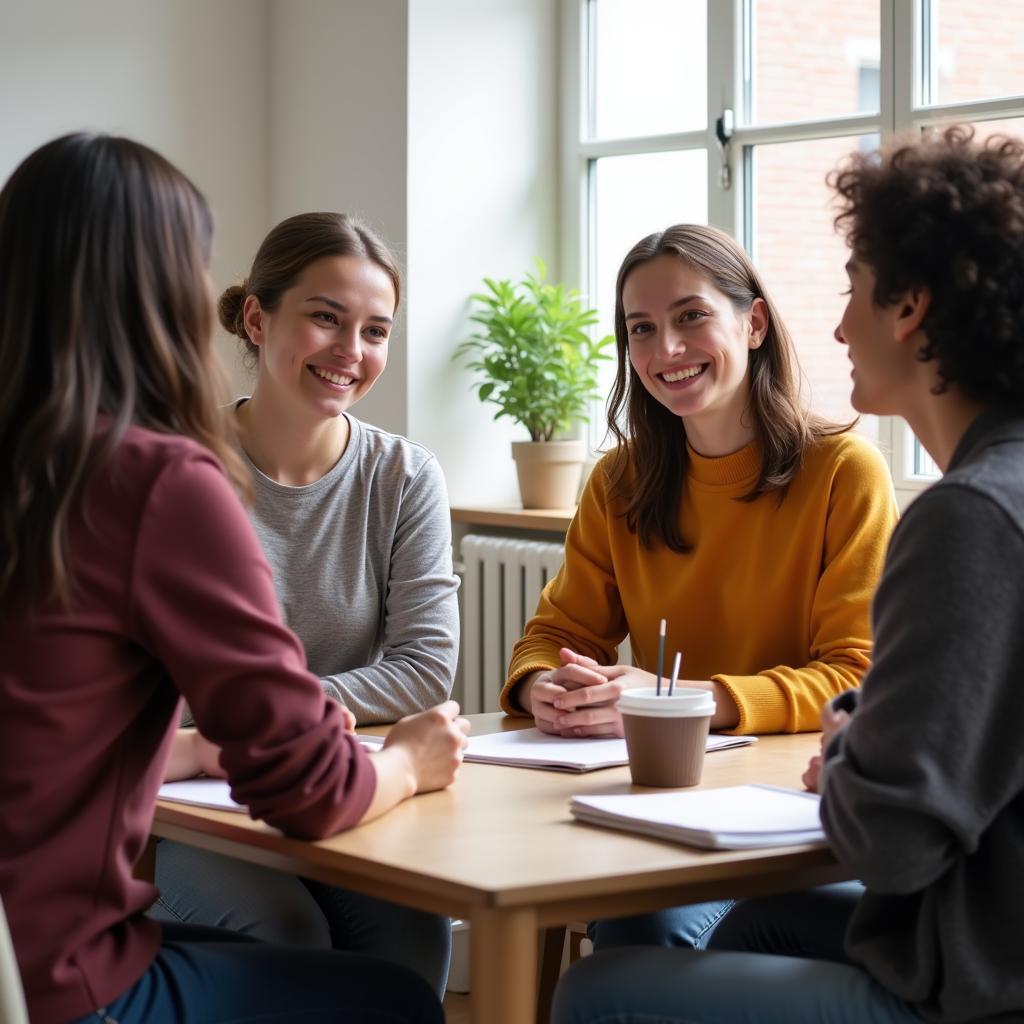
(283,255)
(106,315)
(648,467)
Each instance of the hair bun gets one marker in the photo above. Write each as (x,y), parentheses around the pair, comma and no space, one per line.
(229,310)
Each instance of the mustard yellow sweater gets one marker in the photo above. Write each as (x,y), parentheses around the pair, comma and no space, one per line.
(772,602)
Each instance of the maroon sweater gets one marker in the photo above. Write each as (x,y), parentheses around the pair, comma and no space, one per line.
(175,598)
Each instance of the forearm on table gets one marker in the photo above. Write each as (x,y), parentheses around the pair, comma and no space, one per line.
(727,712)
(515,695)
(519,694)
(396,781)
(183,762)
(389,690)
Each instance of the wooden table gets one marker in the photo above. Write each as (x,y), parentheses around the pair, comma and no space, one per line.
(500,850)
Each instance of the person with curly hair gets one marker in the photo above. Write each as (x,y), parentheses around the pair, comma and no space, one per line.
(921,776)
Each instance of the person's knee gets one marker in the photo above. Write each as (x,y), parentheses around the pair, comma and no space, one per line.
(399,992)
(637,930)
(582,986)
(685,927)
(198,887)
(288,923)
(746,928)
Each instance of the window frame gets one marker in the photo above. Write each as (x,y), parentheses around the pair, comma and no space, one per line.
(906,87)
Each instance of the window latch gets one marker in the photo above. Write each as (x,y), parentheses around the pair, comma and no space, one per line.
(723,133)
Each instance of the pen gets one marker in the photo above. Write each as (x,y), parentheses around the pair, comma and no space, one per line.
(675,672)
(661,655)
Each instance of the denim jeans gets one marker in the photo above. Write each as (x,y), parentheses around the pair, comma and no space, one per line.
(688,927)
(212,976)
(199,887)
(807,924)
(772,960)
(648,985)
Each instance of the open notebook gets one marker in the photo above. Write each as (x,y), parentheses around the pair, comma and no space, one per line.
(731,818)
(531,748)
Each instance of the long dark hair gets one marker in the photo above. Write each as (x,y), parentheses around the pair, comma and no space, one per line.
(106,315)
(648,468)
(286,252)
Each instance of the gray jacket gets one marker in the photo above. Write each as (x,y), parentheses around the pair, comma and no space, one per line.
(923,792)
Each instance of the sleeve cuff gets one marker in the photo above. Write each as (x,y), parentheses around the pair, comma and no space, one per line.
(761,704)
(505,698)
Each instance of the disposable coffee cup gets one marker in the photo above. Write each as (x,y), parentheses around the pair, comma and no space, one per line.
(666,736)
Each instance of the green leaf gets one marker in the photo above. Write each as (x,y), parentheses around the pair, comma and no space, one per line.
(533,353)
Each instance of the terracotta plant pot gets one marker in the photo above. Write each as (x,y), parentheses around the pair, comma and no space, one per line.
(549,472)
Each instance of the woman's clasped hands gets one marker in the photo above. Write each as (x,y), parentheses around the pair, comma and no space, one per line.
(580,697)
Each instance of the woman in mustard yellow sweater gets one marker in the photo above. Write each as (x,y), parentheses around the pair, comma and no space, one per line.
(757,530)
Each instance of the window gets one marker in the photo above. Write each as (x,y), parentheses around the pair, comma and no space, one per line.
(646,80)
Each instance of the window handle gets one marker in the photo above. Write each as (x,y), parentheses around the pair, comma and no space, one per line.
(723,132)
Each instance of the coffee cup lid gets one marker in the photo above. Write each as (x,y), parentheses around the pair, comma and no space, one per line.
(685,702)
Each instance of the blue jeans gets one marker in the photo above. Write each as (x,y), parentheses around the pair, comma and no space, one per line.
(688,927)
(199,887)
(774,960)
(647,985)
(212,976)
(807,924)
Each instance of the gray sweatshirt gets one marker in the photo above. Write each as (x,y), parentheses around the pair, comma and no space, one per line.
(923,792)
(362,563)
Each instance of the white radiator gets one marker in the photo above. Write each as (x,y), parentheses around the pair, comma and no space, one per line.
(501,580)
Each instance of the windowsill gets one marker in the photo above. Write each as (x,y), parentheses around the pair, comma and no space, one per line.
(547,520)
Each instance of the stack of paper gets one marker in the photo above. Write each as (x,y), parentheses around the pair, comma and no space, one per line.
(531,748)
(733,818)
(202,792)
(216,793)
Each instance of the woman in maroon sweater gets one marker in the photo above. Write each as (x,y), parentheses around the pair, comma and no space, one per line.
(130,576)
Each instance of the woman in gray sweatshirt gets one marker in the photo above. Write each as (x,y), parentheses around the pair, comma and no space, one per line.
(355,524)
(922,778)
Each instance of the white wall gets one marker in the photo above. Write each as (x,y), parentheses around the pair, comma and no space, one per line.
(483,178)
(434,120)
(186,78)
(337,137)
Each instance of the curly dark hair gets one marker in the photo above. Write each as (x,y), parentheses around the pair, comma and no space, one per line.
(947,213)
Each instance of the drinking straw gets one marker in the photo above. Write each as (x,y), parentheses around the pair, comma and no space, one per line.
(661,655)
(675,672)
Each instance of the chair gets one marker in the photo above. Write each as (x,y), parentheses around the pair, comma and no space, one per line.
(12,999)
(553,953)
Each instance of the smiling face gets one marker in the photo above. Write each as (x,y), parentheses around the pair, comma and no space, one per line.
(689,345)
(326,343)
(882,365)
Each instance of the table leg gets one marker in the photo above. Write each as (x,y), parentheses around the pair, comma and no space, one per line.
(503,965)
(145,867)
(552,946)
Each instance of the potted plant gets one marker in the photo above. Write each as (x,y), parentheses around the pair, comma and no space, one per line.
(538,365)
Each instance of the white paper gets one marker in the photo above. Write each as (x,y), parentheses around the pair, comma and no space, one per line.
(733,817)
(531,748)
(213,793)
